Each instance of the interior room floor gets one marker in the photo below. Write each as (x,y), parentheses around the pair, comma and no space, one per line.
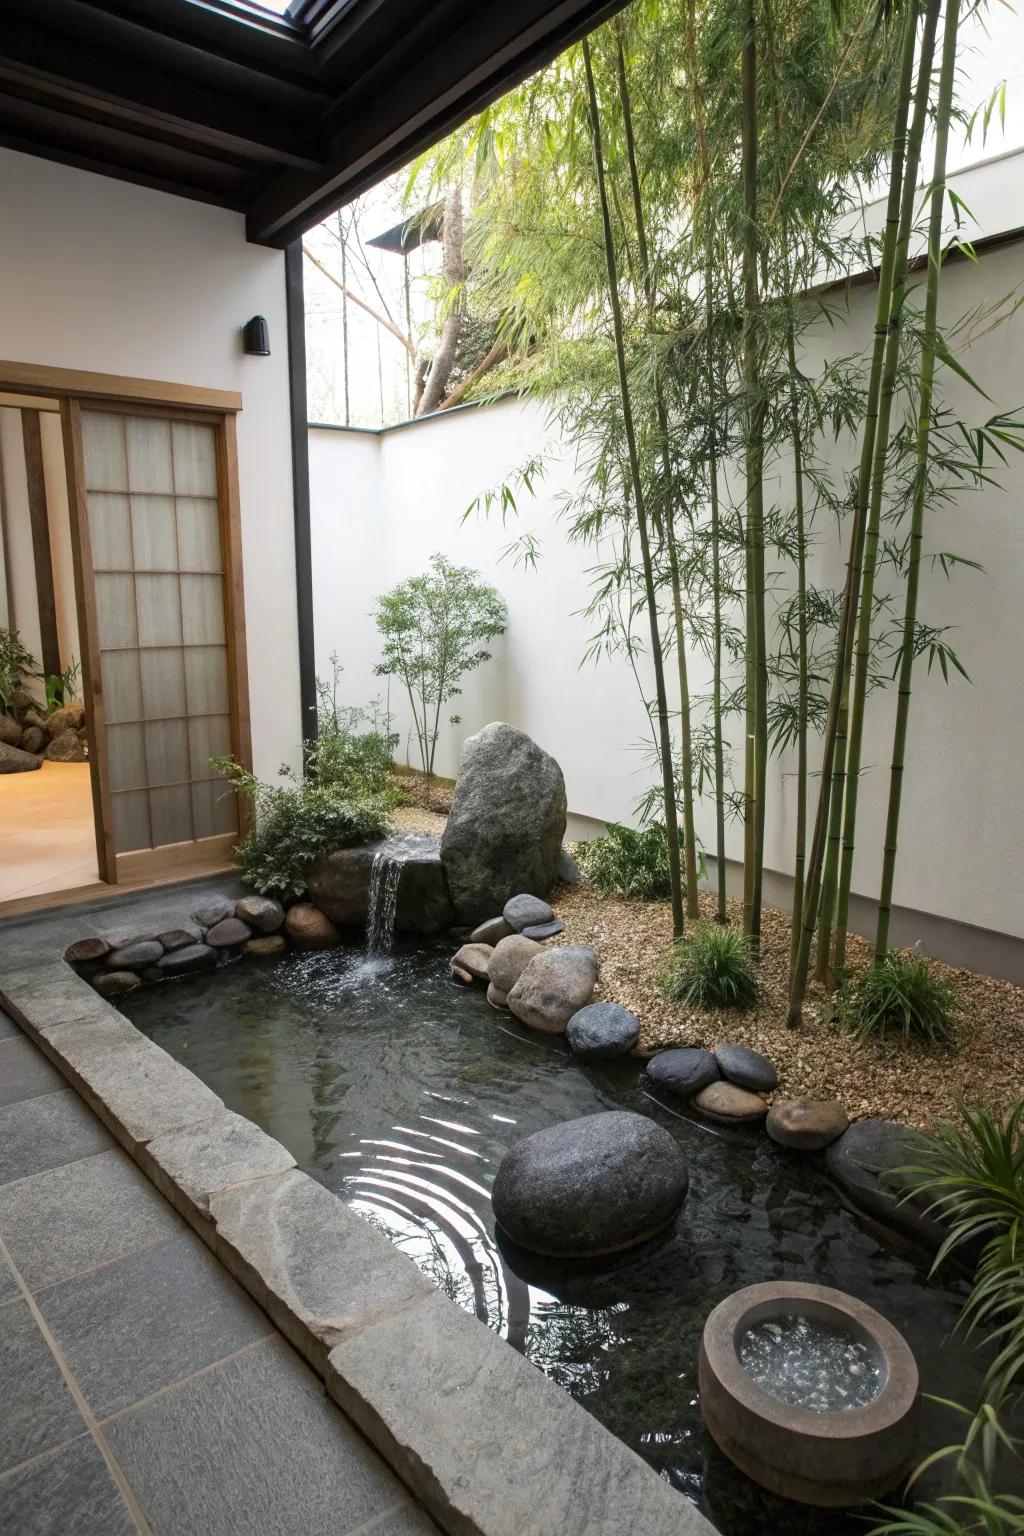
(47,834)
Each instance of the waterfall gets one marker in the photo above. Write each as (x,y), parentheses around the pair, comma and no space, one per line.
(383,899)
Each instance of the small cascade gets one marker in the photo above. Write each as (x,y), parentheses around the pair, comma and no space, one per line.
(383,900)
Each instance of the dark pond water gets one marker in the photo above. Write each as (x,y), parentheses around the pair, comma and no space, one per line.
(401,1091)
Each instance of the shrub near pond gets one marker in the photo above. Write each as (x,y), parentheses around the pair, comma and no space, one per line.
(628,861)
(712,968)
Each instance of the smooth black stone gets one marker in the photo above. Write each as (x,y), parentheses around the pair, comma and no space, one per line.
(602,1030)
(187,961)
(522,912)
(684,1071)
(864,1161)
(746,1068)
(598,1184)
(134,957)
(541,931)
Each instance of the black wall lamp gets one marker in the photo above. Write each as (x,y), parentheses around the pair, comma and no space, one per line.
(256,337)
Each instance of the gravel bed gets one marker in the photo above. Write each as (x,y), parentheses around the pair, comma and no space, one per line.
(820,1060)
(418,819)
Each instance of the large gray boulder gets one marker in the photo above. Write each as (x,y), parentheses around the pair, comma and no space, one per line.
(505,828)
(10,731)
(340,885)
(595,1185)
(14,760)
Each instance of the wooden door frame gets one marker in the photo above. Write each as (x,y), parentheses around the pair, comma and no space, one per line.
(73,389)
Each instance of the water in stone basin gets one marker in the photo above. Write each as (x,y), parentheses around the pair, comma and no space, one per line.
(401,1091)
(810,1364)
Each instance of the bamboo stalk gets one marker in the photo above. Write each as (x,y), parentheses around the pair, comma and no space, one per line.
(947,77)
(756,755)
(640,502)
(878,468)
(661,411)
(800,855)
(844,645)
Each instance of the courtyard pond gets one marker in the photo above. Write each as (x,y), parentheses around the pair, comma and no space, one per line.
(401,1091)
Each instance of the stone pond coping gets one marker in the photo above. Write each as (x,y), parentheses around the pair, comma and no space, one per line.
(488,1444)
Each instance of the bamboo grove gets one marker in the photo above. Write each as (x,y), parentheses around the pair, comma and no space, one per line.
(654,226)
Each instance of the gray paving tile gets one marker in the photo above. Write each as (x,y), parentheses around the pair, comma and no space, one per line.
(25,1072)
(69,1492)
(8,1029)
(47,1132)
(47,993)
(70,1219)
(9,1286)
(410,1520)
(38,1410)
(147,1321)
(250,1448)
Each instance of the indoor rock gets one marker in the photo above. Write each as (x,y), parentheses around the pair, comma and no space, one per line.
(806,1125)
(602,1030)
(309,928)
(595,1185)
(526,912)
(746,1068)
(510,958)
(492,932)
(556,984)
(474,959)
(261,912)
(14,760)
(683,1071)
(729,1104)
(506,824)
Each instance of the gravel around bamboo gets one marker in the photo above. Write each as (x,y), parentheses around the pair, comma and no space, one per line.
(822,1060)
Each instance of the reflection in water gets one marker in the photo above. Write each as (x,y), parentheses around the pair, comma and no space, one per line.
(402,1092)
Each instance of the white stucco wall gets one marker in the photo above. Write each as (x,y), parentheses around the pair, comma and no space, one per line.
(382,504)
(98,274)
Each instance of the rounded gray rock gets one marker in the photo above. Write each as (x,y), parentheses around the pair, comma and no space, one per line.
(510,958)
(542,931)
(114,984)
(683,1071)
(526,912)
(262,913)
(746,1068)
(492,932)
(806,1125)
(187,961)
(228,933)
(596,1185)
(14,760)
(602,1030)
(134,957)
(730,1104)
(556,984)
(214,910)
(474,958)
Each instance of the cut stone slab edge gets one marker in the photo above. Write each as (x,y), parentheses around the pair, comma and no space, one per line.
(344,1297)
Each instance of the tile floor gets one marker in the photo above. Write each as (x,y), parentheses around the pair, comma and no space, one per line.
(143,1393)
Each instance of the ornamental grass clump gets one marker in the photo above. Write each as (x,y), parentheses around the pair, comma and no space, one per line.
(713,968)
(628,861)
(903,996)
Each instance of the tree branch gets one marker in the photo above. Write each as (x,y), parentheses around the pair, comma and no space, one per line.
(355,299)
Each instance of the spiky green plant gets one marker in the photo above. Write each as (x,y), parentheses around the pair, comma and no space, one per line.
(903,996)
(628,861)
(713,968)
(974,1177)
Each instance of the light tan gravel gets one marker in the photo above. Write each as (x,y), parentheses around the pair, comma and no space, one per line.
(820,1060)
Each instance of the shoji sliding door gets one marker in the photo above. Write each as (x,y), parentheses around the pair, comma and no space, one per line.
(164,648)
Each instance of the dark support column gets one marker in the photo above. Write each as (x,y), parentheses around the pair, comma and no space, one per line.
(31,432)
(300,484)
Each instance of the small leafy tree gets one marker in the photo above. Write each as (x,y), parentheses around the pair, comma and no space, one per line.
(435,629)
(16,664)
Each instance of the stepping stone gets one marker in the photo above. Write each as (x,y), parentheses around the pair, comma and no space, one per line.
(806,1125)
(598,1184)
(541,931)
(746,1068)
(114,984)
(683,1071)
(602,1030)
(134,957)
(526,912)
(474,959)
(492,932)
(730,1105)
